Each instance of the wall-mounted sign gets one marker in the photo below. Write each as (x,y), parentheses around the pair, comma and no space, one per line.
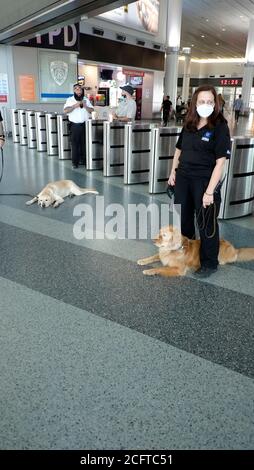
(27,88)
(4,84)
(58,73)
(3,98)
(142,15)
(133,73)
(66,38)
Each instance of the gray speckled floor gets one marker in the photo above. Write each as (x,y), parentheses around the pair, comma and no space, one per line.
(96,356)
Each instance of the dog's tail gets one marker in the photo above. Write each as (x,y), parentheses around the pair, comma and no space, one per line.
(245,254)
(86,191)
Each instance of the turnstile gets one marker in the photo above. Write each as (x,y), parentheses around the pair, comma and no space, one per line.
(63,135)
(15,125)
(6,120)
(40,124)
(31,130)
(137,150)
(113,148)
(163,148)
(94,144)
(238,187)
(51,133)
(22,127)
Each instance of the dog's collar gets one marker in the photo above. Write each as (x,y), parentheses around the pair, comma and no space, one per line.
(179,249)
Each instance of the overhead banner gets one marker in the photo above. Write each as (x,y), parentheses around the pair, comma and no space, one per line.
(142,15)
(66,38)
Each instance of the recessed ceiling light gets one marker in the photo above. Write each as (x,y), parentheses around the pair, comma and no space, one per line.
(202,36)
(217,43)
(207,19)
(223,29)
(241,16)
(192,45)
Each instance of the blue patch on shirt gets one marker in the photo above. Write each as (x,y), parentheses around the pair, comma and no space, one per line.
(207,135)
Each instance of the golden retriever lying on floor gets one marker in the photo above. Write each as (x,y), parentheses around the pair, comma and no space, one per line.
(54,193)
(179,255)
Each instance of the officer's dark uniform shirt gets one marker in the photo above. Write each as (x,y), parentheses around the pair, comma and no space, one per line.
(200,149)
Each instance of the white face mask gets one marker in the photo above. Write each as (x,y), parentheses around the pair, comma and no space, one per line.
(205,110)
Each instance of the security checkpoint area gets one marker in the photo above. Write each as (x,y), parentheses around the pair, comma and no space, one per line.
(139,152)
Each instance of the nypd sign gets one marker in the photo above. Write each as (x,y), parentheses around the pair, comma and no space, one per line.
(64,39)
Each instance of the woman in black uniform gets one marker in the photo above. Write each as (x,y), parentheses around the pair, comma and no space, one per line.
(201,151)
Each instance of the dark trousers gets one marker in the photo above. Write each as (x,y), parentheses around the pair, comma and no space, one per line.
(165,117)
(189,193)
(77,143)
(237,113)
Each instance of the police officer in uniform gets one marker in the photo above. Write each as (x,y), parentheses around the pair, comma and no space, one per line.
(78,109)
(201,150)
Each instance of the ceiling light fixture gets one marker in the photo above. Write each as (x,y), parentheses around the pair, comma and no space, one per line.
(225,60)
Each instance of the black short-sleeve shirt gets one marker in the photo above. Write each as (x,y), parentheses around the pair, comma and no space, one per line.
(200,149)
(1,117)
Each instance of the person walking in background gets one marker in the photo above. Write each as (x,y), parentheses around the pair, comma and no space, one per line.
(222,103)
(238,107)
(2,137)
(127,108)
(201,150)
(166,108)
(178,103)
(78,109)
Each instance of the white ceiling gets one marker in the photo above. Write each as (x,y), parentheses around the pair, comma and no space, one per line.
(209,18)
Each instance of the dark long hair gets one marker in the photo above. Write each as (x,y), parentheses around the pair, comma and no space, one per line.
(192,117)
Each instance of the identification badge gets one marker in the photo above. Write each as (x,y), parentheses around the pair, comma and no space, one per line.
(206,136)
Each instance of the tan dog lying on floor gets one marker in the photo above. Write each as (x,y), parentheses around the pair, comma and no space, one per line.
(179,255)
(54,193)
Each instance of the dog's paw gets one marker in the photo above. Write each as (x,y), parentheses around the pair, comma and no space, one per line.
(141,262)
(149,272)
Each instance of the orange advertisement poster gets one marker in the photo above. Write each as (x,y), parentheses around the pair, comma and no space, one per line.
(27,88)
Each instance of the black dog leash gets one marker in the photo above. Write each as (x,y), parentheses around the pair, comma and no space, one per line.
(2,164)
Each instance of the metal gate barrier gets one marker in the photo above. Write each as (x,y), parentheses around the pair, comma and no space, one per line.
(31,130)
(94,144)
(238,187)
(22,127)
(137,150)
(163,148)
(6,120)
(15,125)
(63,133)
(40,124)
(113,148)
(51,133)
